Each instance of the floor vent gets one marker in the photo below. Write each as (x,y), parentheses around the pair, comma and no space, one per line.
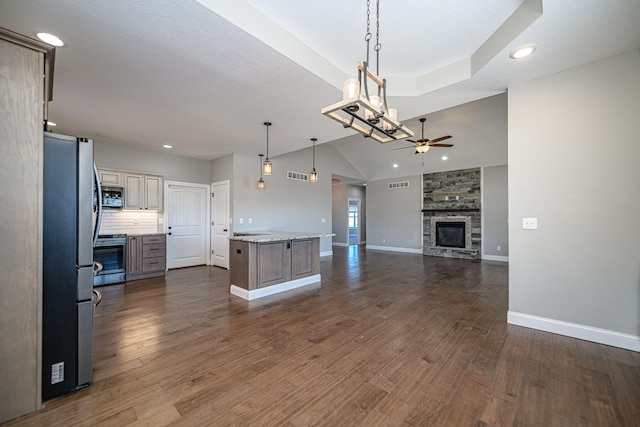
(297,176)
(395,185)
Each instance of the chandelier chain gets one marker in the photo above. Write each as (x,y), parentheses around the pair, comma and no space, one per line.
(367,36)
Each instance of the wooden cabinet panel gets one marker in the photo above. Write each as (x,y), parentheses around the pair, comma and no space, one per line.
(133,191)
(110,177)
(304,258)
(21,117)
(146,256)
(142,192)
(134,257)
(274,263)
(153,192)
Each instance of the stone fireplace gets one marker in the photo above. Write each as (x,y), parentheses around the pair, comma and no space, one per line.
(452,225)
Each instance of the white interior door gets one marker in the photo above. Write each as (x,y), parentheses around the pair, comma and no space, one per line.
(220,223)
(186,219)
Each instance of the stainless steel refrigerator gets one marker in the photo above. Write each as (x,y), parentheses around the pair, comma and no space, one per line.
(68,231)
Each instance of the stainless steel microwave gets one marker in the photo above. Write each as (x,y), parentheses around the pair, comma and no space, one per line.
(112,197)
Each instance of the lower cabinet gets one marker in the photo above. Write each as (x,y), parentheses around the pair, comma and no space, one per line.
(255,265)
(146,256)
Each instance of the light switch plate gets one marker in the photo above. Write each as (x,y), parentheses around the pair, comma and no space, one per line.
(529,223)
(250,220)
(323,220)
(241,220)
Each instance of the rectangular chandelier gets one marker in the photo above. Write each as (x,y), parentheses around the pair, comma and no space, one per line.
(366,114)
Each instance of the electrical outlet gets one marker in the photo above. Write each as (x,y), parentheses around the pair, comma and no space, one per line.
(250,220)
(499,248)
(529,223)
(323,220)
(241,220)
(384,240)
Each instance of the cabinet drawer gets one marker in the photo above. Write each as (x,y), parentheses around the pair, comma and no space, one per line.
(153,264)
(153,250)
(153,239)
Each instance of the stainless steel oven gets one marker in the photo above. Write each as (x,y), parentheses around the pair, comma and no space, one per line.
(110,251)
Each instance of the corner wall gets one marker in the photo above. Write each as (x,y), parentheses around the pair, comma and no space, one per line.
(574,164)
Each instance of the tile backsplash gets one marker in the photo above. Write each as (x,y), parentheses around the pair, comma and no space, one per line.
(129,222)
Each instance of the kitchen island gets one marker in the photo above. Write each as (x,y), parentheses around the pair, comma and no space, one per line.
(263,263)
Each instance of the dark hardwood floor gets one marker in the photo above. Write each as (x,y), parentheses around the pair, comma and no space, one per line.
(388,339)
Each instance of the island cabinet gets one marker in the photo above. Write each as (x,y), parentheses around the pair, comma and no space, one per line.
(146,256)
(264,265)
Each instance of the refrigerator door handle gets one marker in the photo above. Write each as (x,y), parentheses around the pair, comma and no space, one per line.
(96,229)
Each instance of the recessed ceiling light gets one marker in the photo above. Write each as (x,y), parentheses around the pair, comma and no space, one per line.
(395,165)
(444,158)
(50,123)
(50,39)
(523,51)
(167,146)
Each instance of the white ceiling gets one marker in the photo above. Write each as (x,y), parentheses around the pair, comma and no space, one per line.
(204,75)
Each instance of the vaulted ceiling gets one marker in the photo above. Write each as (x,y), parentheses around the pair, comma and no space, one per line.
(204,75)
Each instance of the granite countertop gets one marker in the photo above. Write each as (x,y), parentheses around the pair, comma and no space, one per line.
(274,236)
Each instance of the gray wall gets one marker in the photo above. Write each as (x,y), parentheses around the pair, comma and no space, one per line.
(495,211)
(339,218)
(286,204)
(574,163)
(394,217)
(172,167)
(222,168)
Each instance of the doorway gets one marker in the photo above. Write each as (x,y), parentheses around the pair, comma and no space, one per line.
(186,218)
(220,223)
(354,221)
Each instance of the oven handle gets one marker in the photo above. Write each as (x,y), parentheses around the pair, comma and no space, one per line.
(97,299)
(97,267)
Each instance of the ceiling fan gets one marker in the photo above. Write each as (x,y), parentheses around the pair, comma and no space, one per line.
(423,144)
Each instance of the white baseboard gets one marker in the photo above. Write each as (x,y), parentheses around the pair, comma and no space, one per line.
(574,330)
(339,244)
(326,253)
(274,289)
(392,249)
(496,258)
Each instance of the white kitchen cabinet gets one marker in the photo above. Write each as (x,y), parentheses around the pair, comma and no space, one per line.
(142,192)
(110,177)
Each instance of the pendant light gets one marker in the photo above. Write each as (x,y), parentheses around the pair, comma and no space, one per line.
(313,175)
(261,181)
(368,113)
(266,166)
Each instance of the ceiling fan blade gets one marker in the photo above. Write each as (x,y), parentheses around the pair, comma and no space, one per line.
(410,140)
(440,145)
(401,148)
(442,138)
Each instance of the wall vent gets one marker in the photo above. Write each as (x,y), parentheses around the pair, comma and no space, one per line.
(297,176)
(401,184)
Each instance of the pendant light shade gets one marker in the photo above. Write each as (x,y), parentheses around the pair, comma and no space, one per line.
(266,165)
(313,175)
(261,181)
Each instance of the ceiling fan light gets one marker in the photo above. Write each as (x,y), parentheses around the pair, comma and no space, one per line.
(422,148)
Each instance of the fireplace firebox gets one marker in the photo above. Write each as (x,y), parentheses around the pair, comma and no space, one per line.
(450,234)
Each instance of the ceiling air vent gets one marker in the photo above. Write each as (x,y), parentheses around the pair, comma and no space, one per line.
(298,176)
(396,185)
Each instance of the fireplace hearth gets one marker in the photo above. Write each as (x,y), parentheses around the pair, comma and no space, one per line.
(450,234)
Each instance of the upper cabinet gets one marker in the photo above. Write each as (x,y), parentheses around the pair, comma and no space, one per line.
(110,177)
(142,191)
